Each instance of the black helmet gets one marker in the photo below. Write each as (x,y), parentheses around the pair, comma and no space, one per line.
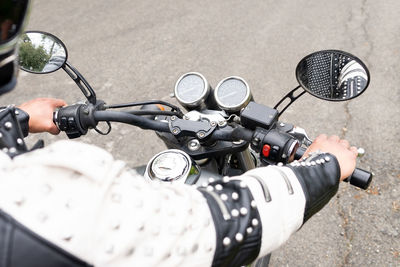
(13,16)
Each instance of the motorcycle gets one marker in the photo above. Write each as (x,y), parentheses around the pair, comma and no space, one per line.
(222,131)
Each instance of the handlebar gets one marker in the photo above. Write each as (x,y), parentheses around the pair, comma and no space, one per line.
(75,120)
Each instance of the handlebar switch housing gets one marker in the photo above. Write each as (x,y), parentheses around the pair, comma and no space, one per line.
(257,115)
(274,146)
(68,120)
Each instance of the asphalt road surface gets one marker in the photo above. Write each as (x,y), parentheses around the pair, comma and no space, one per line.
(136,50)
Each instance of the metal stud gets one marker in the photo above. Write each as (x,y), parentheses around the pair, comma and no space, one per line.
(67,236)
(115,224)
(235,196)
(141,226)
(218,187)
(116,197)
(322,161)
(139,203)
(157,208)
(211,180)
(148,251)
(226,241)
(249,230)
(208,247)
(254,222)
(308,164)
(19,200)
(242,184)
(16,112)
(195,248)
(20,141)
(327,159)
(175,230)
(239,237)
(280,164)
(1,135)
(243,211)
(253,204)
(318,161)
(313,163)
(13,150)
(156,230)
(46,189)
(8,125)
(224,197)
(303,164)
(204,184)
(235,213)
(42,217)
(5,150)
(130,251)
(210,188)
(110,249)
(225,179)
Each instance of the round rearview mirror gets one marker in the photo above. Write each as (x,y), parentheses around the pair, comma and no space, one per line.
(41,52)
(333,75)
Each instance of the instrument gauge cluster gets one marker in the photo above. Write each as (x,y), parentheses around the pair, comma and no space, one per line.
(194,92)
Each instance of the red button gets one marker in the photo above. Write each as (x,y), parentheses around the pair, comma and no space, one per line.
(265,151)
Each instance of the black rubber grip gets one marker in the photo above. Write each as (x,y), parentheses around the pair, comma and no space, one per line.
(360,178)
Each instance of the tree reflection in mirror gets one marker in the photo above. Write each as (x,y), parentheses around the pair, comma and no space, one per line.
(41,52)
(333,75)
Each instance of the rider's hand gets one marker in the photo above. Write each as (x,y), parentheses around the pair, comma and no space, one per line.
(40,112)
(340,148)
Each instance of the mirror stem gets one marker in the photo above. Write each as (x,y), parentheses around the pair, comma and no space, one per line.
(81,82)
(291,96)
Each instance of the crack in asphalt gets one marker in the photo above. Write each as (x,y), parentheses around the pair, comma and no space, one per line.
(347,234)
(345,215)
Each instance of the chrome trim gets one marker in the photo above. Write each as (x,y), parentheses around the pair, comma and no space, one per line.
(239,106)
(222,207)
(203,96)
(287,181)
(264,187)
(7,60)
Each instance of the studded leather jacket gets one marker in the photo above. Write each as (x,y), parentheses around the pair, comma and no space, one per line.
(13,128)
(72,204)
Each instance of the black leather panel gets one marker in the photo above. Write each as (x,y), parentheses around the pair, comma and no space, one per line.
(236,200)
(20,247)
(319,177)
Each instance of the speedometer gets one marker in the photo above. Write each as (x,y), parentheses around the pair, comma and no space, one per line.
(192,89)
(232,94)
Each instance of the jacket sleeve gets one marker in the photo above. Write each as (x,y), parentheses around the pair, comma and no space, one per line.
(80,199)
(264,206)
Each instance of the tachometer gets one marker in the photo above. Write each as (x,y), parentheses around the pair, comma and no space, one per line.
(232,94)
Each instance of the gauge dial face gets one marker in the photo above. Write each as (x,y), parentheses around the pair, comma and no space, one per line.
(232,93)
(169,166)
(191,88)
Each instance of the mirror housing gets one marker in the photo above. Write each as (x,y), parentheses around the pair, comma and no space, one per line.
(41,52)
(333,75)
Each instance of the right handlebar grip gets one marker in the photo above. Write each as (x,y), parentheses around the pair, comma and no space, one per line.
(360,178)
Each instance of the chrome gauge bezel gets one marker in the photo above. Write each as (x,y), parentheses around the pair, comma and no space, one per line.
(233,108)
(199,101)
(185,174)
